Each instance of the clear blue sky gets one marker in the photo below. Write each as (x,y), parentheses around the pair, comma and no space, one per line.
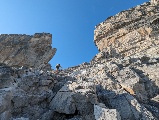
(70,21)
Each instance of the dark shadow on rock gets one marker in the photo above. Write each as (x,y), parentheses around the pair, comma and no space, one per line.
(6,79)
(68,104)
(124,103)
(150,86)
(144,59)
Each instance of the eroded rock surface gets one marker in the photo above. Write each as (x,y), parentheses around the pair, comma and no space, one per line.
(26,50)
(130,31)
(120,83)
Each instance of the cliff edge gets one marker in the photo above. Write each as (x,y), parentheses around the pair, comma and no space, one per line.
(26,50)
(129,32)
(120,83)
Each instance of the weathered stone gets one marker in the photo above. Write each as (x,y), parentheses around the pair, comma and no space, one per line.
(26,50)
(6,78)
(22,118)
(5,99)
(106,114)
(63,103)
(75,118)
(123,76)
(139,111)
(45,82)
(155,101)
(48,115)
(122,105)
(22,101)
(131,82)
(154,2)
(83,105)
(5,115)
(128,32)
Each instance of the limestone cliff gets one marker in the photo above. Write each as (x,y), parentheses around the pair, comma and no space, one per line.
(26,50)
(120,83)
(130,31)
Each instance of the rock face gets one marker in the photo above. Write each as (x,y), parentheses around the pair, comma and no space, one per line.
(129,32)
(155,2)
(120,83)
(26,50)
(105,114)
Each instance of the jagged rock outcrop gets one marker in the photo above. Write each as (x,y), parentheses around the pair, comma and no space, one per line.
(155,2)
(85,92)
(130,31)
(26,50)
(120,83)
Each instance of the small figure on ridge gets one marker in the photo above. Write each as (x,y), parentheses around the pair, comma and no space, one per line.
(58,67)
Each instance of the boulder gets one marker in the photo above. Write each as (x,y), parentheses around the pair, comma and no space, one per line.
(132,83)
(63,103)
(105,113)
(26,50)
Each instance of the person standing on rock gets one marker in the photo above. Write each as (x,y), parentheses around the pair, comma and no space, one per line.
(58,66)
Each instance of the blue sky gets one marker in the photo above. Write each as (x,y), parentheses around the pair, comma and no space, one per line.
(71,22)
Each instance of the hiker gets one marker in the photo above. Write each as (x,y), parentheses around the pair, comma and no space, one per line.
(58,67)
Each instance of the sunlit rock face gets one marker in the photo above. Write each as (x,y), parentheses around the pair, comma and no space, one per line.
(154,2)
(129,32)
(120,83)
(26,50)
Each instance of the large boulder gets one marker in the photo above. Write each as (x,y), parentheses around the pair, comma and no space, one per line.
(75,99)
(63,101)
(26,50)
(102,113)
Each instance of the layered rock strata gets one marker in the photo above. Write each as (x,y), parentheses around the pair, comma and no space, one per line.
(115,85)
(130,31)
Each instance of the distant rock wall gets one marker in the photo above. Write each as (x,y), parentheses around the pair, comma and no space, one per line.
(129,32)
(26,50)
